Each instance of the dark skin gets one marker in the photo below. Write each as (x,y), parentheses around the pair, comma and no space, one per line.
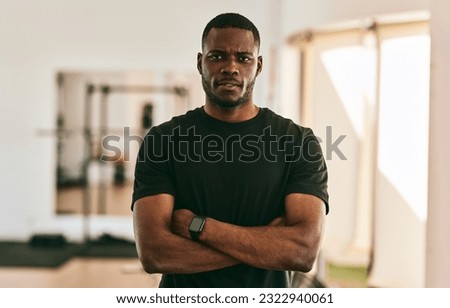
(229,65)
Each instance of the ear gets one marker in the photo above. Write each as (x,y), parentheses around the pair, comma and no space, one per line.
(199,63)
(259,65)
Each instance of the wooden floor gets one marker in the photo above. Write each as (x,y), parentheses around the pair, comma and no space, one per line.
(81,273)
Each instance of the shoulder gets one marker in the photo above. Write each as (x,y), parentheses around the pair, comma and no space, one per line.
(287,126)
(189,118)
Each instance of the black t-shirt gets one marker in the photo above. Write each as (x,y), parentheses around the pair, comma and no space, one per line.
(237,173)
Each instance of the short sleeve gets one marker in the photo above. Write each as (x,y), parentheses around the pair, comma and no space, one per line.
(308,173)
(152,173)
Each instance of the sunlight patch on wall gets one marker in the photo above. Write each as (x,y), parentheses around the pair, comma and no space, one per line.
(403,126)
(346,68)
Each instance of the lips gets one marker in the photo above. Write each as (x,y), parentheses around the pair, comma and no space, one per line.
(228,83)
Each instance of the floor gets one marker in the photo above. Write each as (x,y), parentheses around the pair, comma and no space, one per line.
(81,273)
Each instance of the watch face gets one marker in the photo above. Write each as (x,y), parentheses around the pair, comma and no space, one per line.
(196,224)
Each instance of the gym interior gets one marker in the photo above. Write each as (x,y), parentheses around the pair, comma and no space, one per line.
(81,82)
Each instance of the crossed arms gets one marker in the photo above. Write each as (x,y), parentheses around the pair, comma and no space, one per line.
(288,243)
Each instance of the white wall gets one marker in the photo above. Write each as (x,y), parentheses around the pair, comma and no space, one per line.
(39,38)
(304,14)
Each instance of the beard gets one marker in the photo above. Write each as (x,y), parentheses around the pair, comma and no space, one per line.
(228,104)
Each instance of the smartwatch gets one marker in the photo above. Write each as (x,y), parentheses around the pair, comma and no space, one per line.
(196,226)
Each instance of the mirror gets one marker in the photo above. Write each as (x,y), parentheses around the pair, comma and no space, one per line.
(102,118)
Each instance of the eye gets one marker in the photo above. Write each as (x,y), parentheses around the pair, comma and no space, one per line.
(215,57)
(245,59)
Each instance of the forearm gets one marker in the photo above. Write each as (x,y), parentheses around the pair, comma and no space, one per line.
(161,250)
(175,254)
(271,247)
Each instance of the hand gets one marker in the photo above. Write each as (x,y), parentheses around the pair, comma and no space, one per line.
(180,222)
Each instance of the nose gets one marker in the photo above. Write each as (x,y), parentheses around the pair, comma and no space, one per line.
(230,68)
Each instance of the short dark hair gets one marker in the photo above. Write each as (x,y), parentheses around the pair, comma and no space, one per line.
(231,20)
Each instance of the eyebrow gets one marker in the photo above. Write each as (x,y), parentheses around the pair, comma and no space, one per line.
(241,53)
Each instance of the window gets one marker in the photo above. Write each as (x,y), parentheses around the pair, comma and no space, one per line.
(370,88)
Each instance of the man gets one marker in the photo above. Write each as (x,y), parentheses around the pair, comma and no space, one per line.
(229,194)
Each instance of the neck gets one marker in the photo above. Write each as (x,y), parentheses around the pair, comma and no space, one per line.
(233,115)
